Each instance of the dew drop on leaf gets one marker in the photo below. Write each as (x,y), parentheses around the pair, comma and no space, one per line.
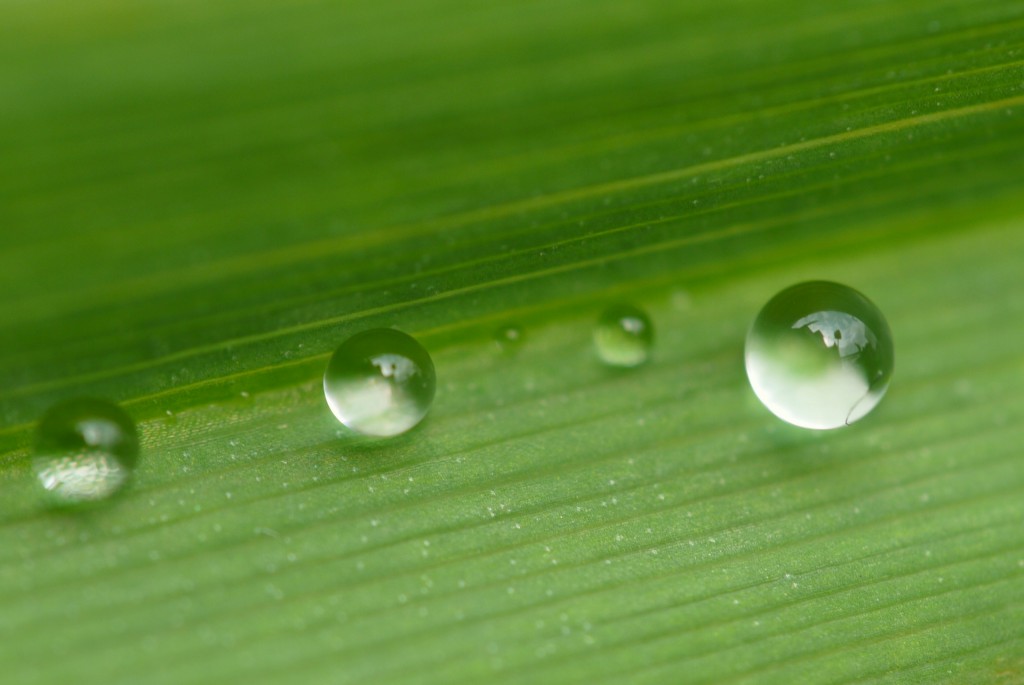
(623,336)
(509,338)
(85,450)
(820,355)
(380,382)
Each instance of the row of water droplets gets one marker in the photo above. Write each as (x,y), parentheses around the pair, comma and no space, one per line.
(819,355)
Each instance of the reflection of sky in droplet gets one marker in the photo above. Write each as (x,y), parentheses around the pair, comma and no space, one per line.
(395,367)
(632,324)
(843,331)
(98,432)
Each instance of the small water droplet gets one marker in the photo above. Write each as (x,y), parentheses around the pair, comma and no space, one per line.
(509,338)
(380,382)
(820,355)
(85,450)
(623,336)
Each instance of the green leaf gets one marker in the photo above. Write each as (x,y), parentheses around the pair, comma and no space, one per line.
(200,201)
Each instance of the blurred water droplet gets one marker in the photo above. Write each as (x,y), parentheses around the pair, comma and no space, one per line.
(85,450)
(509,338)
(623,336)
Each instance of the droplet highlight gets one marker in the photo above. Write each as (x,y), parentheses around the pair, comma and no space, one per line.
(380,382)
(85,450)
(820,355)
(623,336)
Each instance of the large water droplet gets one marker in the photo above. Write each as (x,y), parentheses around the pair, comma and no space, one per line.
(623,336)
(820,355)
(85,450)
(380,382)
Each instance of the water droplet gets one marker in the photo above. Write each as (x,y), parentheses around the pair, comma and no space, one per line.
(509,338)
(380,382)
(820,355)
(623,336)
(85,449)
